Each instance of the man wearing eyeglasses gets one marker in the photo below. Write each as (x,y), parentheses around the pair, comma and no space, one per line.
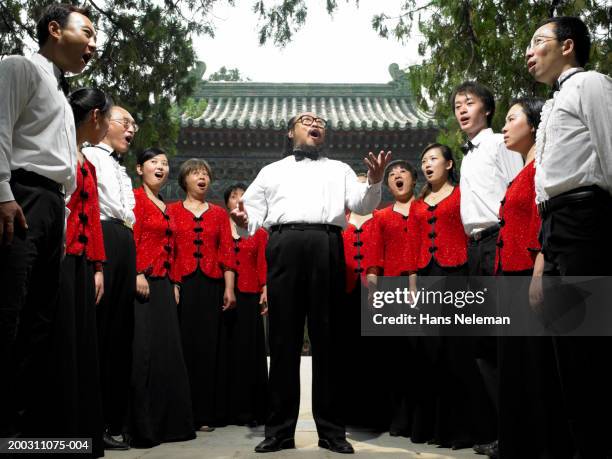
(573,184)
(301,201)
(115,313)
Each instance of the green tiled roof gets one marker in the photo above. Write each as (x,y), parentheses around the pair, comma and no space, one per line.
(369,107)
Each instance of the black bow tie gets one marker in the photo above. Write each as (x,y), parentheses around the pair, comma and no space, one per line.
(63,84)
(467,147)
(300,155)
(117,157)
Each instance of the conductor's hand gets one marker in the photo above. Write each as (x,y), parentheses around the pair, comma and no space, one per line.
(10,215)
(240,216)
(376,165)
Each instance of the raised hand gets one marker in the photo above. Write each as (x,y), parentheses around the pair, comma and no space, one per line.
(239,215)
(376,165)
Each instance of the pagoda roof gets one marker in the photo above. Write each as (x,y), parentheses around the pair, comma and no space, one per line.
(346,107)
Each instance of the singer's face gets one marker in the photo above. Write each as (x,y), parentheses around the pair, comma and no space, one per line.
(307,132)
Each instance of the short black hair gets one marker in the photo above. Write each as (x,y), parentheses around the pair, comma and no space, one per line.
(479,90)
(532,108)
(84,100)
(230,189)
(59,13)
(400,163)
(572,28)
(148,154)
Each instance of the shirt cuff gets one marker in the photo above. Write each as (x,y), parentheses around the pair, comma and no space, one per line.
(6,194)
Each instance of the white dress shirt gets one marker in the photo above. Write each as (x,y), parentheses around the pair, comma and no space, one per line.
(574,139)
(485,174)
(115,189)
(37,130)
(307,191)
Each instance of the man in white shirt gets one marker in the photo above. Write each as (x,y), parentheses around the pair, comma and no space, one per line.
(573,183)
(487,168)
(301,200)
(37,169)
(115,313)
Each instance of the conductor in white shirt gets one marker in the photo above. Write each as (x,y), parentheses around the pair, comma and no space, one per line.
(301,201)
(37,170)
(115,313)
(573,184)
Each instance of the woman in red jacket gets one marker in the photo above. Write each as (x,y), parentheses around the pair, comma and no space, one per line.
(160,407)
(396,260)
(78,411)
(249,364)
(449,374)
(204,265)
(531,422)
(363,365)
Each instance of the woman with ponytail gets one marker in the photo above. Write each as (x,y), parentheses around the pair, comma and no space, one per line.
(78,408)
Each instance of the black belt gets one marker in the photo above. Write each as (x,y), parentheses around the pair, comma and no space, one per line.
(117,221)
(30,178)
(578,194)
(306,227)
(484,233)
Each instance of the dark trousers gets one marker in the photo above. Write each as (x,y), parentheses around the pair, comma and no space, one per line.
(115,319)
(576,242)
(481,262)
(305,279)
(29,282)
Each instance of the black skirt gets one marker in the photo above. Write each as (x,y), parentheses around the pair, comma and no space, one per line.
(364,366)
(249,365)
(206,331)
(160,402)
(76,399)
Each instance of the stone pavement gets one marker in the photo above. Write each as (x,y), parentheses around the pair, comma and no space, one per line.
(235,442)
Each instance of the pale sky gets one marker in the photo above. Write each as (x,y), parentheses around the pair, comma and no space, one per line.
(339,49)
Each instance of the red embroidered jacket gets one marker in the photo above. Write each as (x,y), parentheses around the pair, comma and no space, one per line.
(394,247)
(361,251)
(251,267)
(84,230)
(517,243)
(438,232)
(204,241)
(154,237)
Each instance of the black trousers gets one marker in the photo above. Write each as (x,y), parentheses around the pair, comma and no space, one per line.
(116,323)
(305,279)
(576,242)
(29,282)
(481,262)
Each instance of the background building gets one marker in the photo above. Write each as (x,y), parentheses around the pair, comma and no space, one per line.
(243,126)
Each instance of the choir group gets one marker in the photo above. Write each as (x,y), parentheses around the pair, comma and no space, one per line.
(133,321)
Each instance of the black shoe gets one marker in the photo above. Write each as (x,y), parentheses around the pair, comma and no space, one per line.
(336,445)
(111,443)
(271,444)
(488,449)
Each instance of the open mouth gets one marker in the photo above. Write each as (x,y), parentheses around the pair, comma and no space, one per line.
(314,133)
(201,184)
(86,57)
(428,173)
(129,138)
(530,65)
(399,183)
(159,174)
(464,119)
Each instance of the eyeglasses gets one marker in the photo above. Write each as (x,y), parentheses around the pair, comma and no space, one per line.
(126,123)
(539,40)
(308,120)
